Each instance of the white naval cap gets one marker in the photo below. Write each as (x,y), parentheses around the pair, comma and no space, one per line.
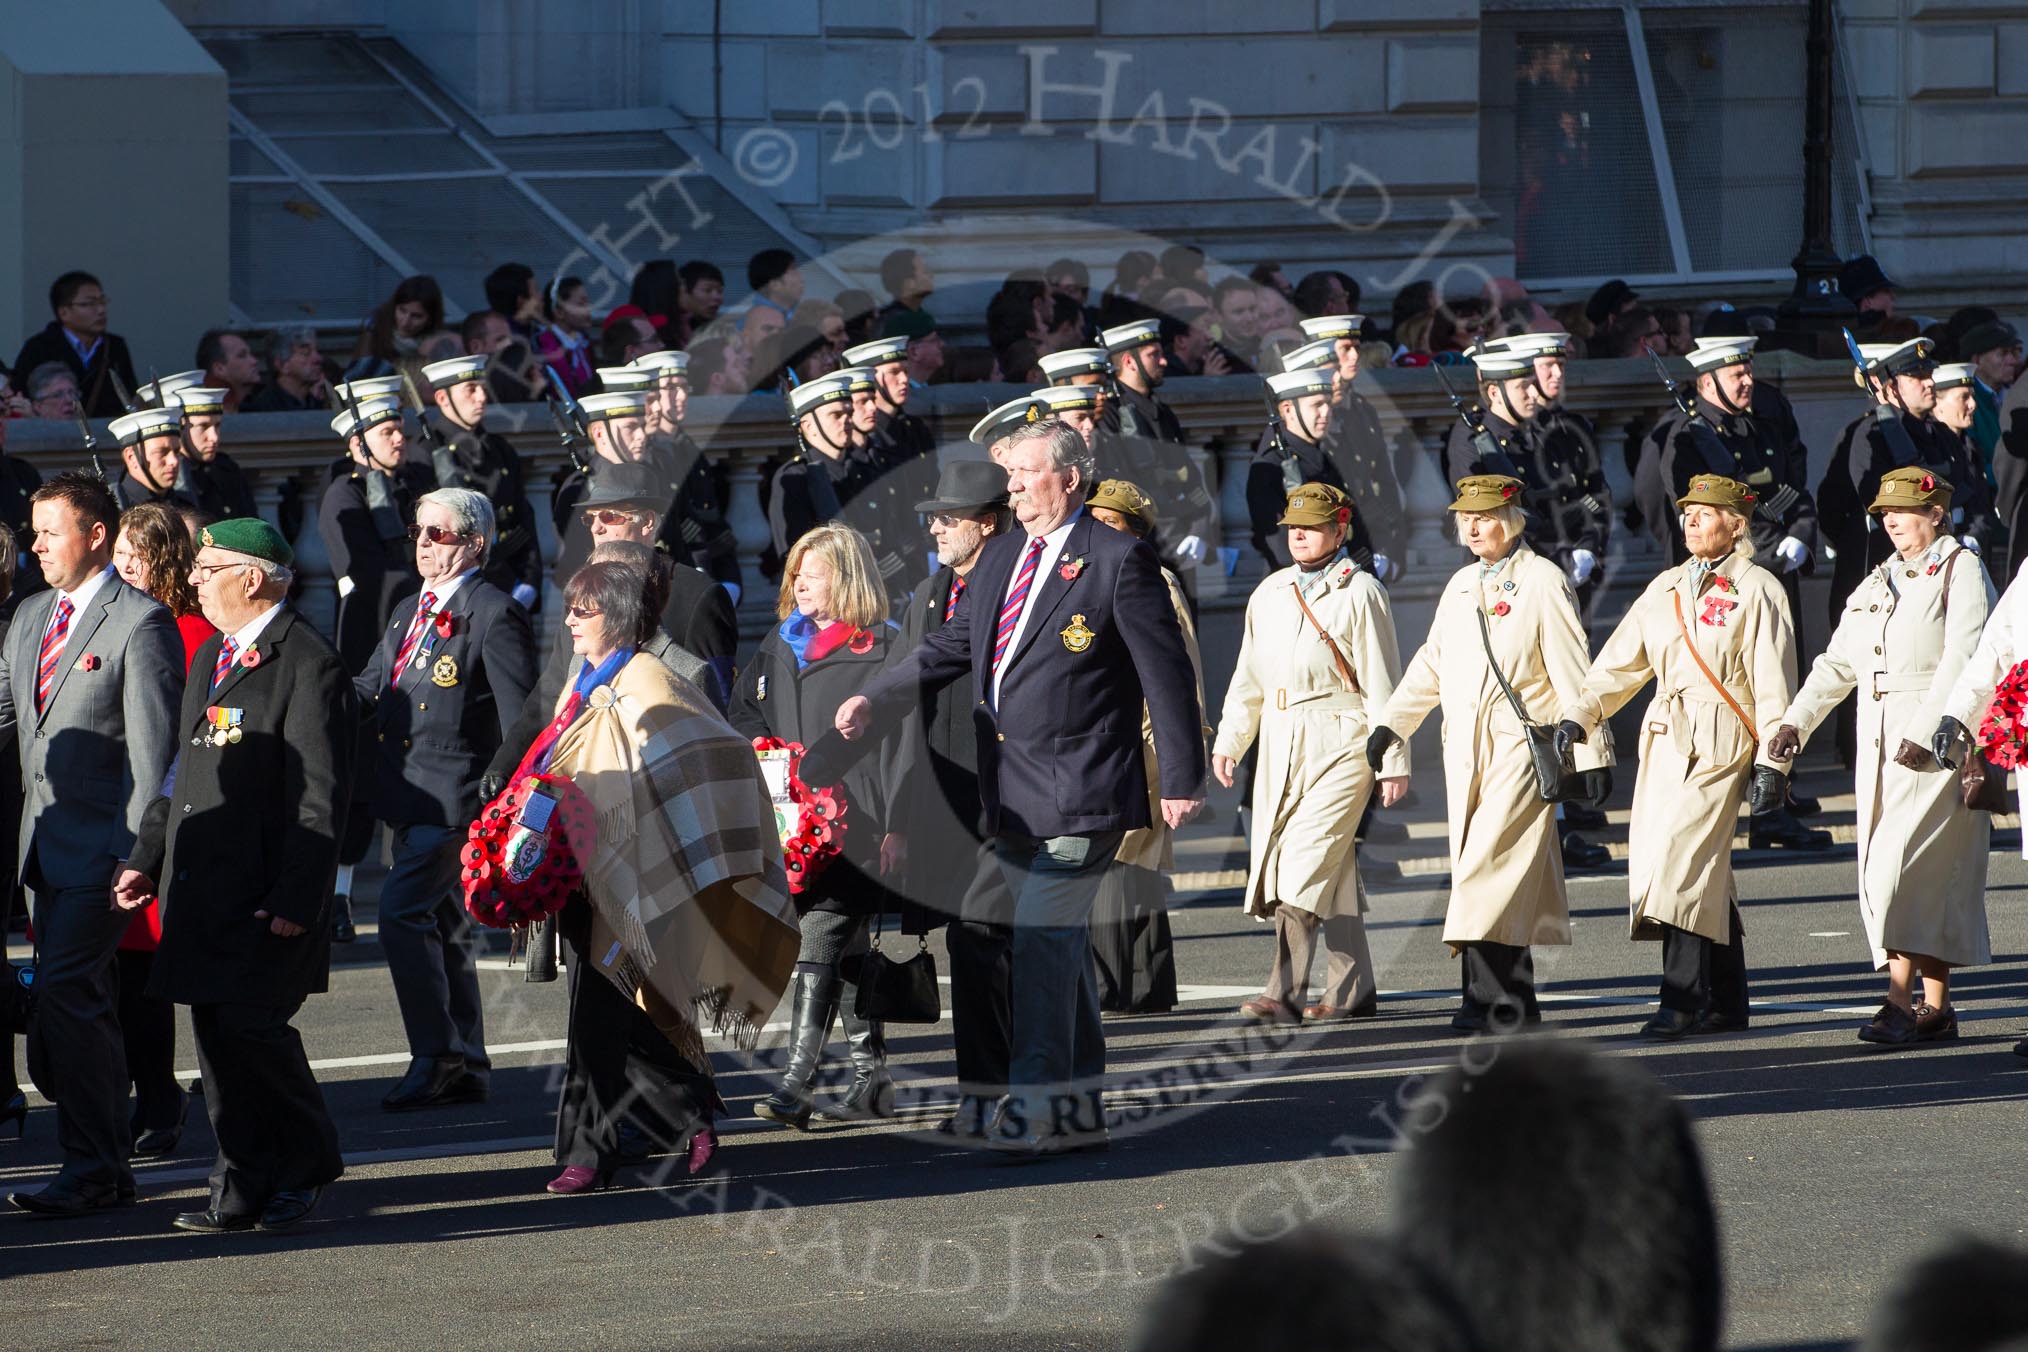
(454,370)
(366,387)
(811,394)
(1067,398)
(1296,384)
(1004,419)
(1708,354)
(1499,363)
(630,377)
(162,389)
(857,378)
(663,362)
(1536,344)
(1059,367)
(372,412)
(144,423)
(1320,352)
(1333,327)
(1950,375)
(1122,337)
(625,403)
(879,352)
(194,400)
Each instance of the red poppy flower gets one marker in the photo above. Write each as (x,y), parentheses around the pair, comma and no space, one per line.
(90,662)
(1928,483)
(861,642)
(250,659)
(1501,607)
(446,624)
(1344,515)
(1509,490)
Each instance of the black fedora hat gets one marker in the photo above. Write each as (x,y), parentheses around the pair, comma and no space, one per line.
(968,486)
(631,484)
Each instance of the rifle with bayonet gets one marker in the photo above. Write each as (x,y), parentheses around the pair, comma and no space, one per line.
(91,444)
(1492,459)
(571,430)
(1772,498)
(126,396)
(1886,412)
(376,484)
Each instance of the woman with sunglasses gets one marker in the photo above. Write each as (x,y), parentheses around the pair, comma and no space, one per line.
(832,639)
(675,796)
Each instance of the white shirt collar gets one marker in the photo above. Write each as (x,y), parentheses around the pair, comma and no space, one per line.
(445,590)
(81,596)
(243,637)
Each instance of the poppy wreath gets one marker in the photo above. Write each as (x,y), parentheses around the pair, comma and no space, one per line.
(819,833)
(2002,736)
(513,876)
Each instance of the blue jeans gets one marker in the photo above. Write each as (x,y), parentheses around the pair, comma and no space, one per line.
(1059,1050)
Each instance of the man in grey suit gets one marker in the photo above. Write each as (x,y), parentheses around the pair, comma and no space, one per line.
(90,679)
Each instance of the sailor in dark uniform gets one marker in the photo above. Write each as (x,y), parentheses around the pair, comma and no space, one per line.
(469,456)
(208,476)
(898,435)
(619,435)
(1977,521)
(1355,445)
(1087,366)
(151,448)
(1567,457)
(814,485)
(694,528)
(1076,406)
(883,510)
(1142,442)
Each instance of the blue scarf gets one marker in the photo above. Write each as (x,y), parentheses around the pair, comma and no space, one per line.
(590,678)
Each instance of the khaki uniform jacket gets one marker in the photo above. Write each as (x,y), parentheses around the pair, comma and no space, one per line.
(1905,634)
(1695,754)
(1312,782)
(1153,846)
(1506,863)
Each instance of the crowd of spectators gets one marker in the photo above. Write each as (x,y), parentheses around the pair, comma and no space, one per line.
(782,335)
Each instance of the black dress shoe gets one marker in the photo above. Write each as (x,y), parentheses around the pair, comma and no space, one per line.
(1472,1017)
(62,1200)
(1581,853)
(1893,1026)
(213,1222)
(285,1210)
(1777,830)
(1715,1022)
(1670,1024)
(1583,817)
(1802,805)
(1936,1025)
(151,1142)
(343,931)
(433,1083)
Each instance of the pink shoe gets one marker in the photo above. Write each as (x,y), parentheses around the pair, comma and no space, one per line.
(579,1178)
(702,1147)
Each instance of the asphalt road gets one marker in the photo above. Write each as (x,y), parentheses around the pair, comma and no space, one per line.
(1830,1161)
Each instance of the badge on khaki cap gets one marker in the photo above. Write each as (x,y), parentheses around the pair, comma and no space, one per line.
(1715,490)
(1316,504)
(1911,489)
(1487,493)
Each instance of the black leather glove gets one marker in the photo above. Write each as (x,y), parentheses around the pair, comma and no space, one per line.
(1568,735)
(1770,787)
(1600,782)
(1377,745)
(491,785)
(826,760)
(1785,743)
(1948,730)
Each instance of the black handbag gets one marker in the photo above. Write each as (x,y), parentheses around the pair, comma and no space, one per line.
(898,992)
(1555,779)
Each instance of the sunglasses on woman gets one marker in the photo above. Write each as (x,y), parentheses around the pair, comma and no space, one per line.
(585,612)
(435,535)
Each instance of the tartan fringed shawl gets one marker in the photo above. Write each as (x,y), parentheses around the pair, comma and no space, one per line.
(686,876)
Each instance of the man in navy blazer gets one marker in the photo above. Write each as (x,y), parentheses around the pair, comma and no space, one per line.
(1065,631)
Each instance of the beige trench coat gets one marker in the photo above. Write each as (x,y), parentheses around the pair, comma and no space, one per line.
(1154,846)
(1506,863)
(1312,782)
(1695,754)
(1901,643)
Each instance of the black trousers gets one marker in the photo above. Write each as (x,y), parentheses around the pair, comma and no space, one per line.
(1131,941)
(981,946)
(1500,977)
(148,1031)
(1698,974)
(74,1051)
(594,1093)
(274,1132)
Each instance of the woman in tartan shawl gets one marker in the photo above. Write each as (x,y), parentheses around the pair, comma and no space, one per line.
(684,921)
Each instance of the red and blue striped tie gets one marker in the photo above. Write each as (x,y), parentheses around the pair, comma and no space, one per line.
(951,606)
(1017,597)
(226,652)
(53,639)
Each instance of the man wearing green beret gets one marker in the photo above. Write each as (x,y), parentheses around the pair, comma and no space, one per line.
(243,850)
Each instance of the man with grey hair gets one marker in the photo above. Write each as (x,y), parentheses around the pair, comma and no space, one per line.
(243,836)
(447,679)
(299,380)
(1066,630)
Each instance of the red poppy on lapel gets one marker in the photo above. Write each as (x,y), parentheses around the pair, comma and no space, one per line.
(251,658)
(861,642)
(1722,582)
(446,623)
(1501,607)
(89,662)
(1069,569)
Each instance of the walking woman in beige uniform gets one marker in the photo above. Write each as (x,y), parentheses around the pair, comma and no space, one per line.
(1904,635)
(1316,657)
(1506,866)
(1713,693)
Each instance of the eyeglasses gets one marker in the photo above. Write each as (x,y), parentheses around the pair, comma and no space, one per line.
(84,302)
(204,572)
(607,516)
(949,519)
(435,535)
(585,612)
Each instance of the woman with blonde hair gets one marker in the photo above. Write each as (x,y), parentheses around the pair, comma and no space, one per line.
(1904,637)
(833,637)
(1715,636)
(1507,621)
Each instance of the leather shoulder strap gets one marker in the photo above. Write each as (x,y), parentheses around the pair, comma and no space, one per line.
(1676,600)
(1337,657)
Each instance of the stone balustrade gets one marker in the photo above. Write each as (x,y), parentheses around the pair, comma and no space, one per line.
(288,457)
